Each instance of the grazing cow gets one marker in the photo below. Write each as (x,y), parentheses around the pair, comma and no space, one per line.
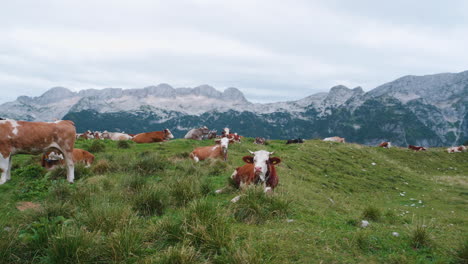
(295,141)
(417,148)
(155,136)
(197,133)
(456,149)
(335,139)
(219,150)
(385,144)
(259,169)
(34,138)
(52,158)
(260,141)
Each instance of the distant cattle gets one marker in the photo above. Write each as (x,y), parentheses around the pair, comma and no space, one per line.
(35,138)
(54,158)
(197,133)
(295,141)
(156,136)
(456,149)
(234,137)
(385,144)
(417,148)
(220,150)
(212,134)
(259,141)
(225,132)
(335,139)
(260,169)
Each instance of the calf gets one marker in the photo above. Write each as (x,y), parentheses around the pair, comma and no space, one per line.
(52,159)
(156,136)
(260,141)
(335,139)
(417,148)
(385,144)
(295,141)
(217,151)
(456,149)
(34,138)
(259,169)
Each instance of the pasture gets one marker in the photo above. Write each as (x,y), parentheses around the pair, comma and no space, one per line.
(148,203)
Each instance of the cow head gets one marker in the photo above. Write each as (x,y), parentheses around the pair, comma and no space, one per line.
(261,160)
(168,134)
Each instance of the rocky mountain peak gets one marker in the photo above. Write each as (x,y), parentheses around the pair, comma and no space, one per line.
(234,94)
(54,94)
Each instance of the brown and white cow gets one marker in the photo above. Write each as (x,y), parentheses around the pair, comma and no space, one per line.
(417,148)
(385,144)
(456,149)
(260,169)
(156,136)
(35,138)
(220,150)
(260,141)
(335,139)
(53,158)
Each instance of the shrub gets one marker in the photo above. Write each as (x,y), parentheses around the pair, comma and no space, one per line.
(123,144)
(71,245)
(255,207)
(32,171)
(371,213)
(97,146)
(180,254)
(151,201)
(101,167)
(149,163)
(420,237)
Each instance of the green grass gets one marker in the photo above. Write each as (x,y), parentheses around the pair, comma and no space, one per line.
(148,203)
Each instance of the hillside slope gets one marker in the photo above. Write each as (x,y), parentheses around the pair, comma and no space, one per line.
(149,204)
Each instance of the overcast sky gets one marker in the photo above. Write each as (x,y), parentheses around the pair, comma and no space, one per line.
(270,50)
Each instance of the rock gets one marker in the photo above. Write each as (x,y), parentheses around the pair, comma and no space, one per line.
(364,223)
(395,234)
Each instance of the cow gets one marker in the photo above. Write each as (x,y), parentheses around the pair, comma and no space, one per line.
(335,139)
(155,136)
(35,138)
(234,137)
(52,158)
(212,134)
(260,141)
(260,169)
(86,135)
(225,132)
(197,133)
(385,144)
(456,149)
(219,150)
(417,148)
(295,141)
(119,136)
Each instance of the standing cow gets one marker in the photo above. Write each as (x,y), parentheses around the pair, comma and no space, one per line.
(35,138)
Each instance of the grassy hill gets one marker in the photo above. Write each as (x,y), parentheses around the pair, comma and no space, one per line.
(149,204)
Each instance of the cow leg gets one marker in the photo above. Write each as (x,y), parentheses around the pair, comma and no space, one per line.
(9,169)
(4,165)
(70,166)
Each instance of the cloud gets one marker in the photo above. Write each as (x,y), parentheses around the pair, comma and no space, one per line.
(271,50)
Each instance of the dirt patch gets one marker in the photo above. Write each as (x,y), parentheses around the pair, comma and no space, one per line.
(22,206)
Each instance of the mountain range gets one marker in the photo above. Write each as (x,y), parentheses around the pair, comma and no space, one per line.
(430,110)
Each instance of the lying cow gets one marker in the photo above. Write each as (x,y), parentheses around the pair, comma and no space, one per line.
(335,139)
(197,133)
(295,141)
(417,148)
(259,141)
(219,150)
(155,136)
(259,169)
(52,159)
(35,138)
(456,149)
(234,137)
(385,144)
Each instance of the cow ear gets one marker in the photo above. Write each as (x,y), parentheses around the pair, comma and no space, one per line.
(275,160)
(248,159)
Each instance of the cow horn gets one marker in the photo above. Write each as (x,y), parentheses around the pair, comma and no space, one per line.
(251,152)
(271,153)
